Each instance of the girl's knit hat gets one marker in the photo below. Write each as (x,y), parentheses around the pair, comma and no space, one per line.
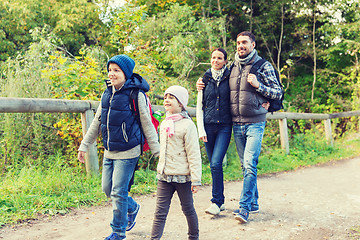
(180,93)
(124,62)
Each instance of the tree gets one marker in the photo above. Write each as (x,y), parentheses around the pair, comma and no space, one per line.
(76,22)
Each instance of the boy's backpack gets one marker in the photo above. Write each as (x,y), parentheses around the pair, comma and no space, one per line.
(134,106)
(275,105)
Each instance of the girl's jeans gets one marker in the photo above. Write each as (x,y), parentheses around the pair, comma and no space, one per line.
(248,138)
(165,191)
(116,176)
(218,136)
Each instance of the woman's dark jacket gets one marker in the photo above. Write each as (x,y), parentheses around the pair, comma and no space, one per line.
(216,99)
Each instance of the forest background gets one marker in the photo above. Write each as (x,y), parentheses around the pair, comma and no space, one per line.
(59,49)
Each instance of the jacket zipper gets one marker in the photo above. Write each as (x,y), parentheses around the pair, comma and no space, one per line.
(107,123)
(123,128)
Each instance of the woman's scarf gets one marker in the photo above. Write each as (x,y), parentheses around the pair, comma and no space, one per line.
(217,74)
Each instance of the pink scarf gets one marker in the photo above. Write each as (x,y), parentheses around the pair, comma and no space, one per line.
(170,123)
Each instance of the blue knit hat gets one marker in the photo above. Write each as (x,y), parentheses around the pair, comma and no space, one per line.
(124,62)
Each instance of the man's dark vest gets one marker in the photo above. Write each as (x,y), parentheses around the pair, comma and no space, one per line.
(246,102)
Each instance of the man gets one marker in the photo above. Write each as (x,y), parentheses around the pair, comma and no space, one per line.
(248,108)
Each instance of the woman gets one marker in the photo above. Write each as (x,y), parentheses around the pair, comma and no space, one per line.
(215,123)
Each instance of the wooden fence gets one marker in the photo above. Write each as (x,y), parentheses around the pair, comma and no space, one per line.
(88,108)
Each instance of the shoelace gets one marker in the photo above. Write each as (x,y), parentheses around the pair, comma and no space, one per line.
(112,236)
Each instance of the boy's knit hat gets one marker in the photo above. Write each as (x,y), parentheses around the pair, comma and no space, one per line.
(124,62)
(180,93)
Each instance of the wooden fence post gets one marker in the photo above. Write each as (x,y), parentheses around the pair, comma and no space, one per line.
(91,157)
(328,133)
(284,138)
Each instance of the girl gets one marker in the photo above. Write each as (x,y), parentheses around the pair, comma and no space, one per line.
(179,167)
(214,123)
(122,139)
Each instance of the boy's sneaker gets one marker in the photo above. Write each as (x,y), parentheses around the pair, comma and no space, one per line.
(253,210)
(213,209)
(242,216)
(115,236)
(132,218)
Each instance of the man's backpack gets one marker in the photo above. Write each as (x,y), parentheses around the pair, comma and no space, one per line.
(134,106)
(275,104)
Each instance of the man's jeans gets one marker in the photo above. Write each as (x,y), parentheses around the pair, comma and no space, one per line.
(248,138)
(116,175)
(218,136)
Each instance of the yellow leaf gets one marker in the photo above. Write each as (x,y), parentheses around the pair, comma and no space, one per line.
(61,60)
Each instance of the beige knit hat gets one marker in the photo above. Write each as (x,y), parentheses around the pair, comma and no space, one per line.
(180,93)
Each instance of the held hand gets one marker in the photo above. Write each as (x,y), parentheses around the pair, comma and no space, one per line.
(195,189)
(81,156)
(204,138)
(266,105)
(253,80)
(200,84)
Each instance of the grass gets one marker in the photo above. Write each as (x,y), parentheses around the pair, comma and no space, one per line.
(33,191)
(53,188)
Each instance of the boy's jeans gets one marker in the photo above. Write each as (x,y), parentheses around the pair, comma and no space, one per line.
(248,138)
(116,175)
(218,136)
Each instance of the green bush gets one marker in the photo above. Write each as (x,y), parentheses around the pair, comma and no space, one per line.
(50,187)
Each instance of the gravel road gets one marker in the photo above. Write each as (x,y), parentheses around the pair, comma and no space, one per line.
(321,202)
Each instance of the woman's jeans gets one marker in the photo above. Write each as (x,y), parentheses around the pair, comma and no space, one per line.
(248,138)
(116,175)
(165,192)
(218,136)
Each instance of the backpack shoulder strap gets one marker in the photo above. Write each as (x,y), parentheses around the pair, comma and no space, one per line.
(257,65)
(231,65)
(134,104)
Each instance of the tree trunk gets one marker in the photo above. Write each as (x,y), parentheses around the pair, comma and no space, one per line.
(251,14)
(281,38)
(314,52)
(223,27)
(205,15)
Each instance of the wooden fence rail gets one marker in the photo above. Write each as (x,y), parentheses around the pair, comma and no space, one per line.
(87,109)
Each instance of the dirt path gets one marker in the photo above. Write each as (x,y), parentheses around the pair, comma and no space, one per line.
(312,203)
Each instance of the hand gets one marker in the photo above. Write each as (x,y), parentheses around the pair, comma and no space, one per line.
(195,188)
(200,85)
(266,105)
(252,79)
(81,156)
(204,138)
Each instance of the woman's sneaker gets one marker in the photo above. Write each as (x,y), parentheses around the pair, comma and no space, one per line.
(222,207)
(132,218)
(213,209)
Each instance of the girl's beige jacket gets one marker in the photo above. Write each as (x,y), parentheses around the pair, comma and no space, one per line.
(180,153)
